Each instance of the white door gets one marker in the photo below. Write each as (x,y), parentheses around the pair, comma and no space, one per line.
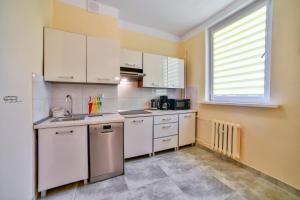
(131,59)
(175,73)
(103,60)
(65,56)
(138,136)
(187,128)
(156,70)
(20,54)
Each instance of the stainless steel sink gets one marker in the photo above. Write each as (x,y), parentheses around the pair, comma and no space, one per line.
(72,118)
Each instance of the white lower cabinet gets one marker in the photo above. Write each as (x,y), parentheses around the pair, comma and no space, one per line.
(165,132)
(138,136)
(187,128)
(165,143)
(62,156)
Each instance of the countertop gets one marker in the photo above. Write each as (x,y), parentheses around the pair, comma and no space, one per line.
(161,112)
(106,118)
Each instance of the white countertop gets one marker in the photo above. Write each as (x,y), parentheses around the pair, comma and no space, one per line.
(160,112)
(106,118)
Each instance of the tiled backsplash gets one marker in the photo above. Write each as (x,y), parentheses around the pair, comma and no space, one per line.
(41,97)
(126,96)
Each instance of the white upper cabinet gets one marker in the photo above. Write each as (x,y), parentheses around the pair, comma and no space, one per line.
(64,56)
(131,59)
(103,60)
(175,73)
(156,69)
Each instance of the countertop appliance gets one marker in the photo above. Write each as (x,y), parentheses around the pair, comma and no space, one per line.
(106,151)
(155,104)
(179,104)
(163,102)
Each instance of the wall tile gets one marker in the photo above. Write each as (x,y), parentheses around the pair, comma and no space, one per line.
(40,97)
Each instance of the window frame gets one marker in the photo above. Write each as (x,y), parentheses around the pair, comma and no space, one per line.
(225,22)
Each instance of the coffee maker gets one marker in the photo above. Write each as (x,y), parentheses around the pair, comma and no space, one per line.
(155,104)
(163,101)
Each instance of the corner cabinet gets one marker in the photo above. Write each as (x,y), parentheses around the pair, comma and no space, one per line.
(163,71)
(103,60)
(187,129)
(156,68)
(64,56)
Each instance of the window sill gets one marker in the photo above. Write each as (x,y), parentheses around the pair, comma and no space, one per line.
(255,105)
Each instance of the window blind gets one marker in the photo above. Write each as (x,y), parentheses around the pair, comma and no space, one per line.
(238,61)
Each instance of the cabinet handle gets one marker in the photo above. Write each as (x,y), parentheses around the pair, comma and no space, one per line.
(64,132)
(66,77)
(154,84)
(131,65)
(138,121)
(107,131)
(103,79)
(167,126)
(166,119)
(167,140)
(186,116)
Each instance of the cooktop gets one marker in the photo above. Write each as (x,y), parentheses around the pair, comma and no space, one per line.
(134,112)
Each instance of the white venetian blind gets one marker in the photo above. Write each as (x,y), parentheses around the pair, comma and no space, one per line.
(238,57)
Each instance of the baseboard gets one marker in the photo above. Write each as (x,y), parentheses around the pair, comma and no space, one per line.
(275,181)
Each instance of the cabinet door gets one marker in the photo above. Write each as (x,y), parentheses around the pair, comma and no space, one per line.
(138,136)
(131,59)
(175,73)
(103,60)
(187,128)
(62,156)
(64,56)
(156,69)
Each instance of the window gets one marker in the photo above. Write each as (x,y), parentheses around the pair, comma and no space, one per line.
(239,56)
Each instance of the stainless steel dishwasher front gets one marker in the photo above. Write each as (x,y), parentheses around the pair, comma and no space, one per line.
(106,150)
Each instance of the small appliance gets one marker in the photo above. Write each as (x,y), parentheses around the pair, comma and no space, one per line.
(155,104)
(179,104)
(163,102)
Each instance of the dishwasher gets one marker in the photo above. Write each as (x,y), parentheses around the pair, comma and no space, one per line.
(106,151)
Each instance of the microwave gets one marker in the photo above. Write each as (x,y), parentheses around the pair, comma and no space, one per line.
(179,104)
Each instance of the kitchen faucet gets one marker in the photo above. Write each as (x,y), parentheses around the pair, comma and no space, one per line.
(70,101)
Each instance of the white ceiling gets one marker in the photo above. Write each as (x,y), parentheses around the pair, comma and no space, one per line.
(172,16)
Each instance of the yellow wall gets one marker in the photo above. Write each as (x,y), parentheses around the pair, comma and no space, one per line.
(74,19)
(270,137)
(142,42)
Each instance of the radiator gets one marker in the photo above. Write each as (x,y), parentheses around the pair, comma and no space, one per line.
(226,138)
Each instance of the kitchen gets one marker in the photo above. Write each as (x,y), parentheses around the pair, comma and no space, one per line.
(115,103)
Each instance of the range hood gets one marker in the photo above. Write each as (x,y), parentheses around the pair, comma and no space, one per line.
(131,73)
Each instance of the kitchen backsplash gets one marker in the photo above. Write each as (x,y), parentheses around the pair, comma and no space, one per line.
(126,96)
(41,97)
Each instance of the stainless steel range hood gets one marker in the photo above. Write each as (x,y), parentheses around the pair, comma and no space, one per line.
(131,73)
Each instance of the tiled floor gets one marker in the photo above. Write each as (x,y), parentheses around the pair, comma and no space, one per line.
(187,174)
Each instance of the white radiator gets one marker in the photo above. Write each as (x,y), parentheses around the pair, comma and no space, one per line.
(226,138)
